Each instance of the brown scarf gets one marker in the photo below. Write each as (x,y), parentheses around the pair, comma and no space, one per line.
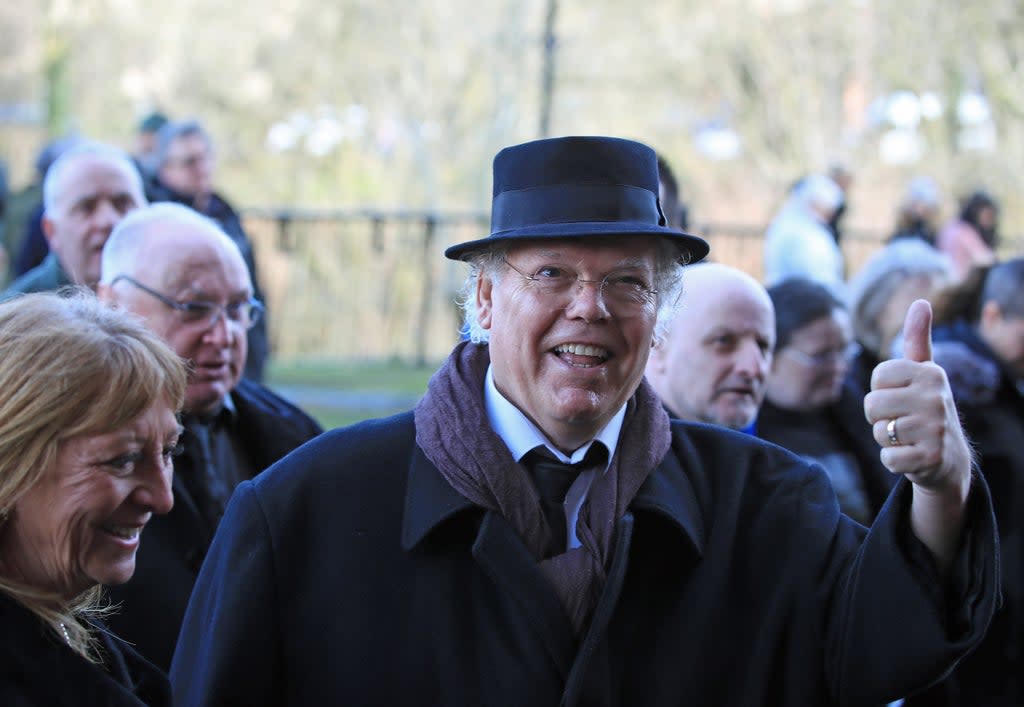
(453,431)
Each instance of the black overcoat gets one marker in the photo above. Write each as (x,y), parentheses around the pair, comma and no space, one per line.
(993,675)
(151,605)
(846,415)
(351,573)
(36,669)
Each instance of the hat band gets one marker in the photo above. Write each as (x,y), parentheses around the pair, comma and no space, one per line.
(573,203)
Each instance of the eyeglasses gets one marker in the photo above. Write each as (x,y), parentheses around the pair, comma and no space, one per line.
(245,313)
(825,358)
(626,291)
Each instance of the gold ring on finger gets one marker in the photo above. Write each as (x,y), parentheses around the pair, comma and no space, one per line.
(890,429)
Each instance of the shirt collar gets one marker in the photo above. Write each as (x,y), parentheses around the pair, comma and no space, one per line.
(520,435)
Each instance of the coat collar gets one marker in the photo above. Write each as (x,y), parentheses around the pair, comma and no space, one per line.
(430,500)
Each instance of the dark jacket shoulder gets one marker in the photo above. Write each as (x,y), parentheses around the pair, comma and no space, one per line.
(272,425)
(45,277)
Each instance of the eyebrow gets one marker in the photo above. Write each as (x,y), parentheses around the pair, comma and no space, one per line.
(630,262)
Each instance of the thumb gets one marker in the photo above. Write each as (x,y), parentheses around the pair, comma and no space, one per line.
(917,332)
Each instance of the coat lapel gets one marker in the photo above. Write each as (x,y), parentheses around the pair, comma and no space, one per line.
(499,552)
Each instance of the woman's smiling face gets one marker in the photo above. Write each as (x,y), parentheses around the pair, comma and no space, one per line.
(80,524)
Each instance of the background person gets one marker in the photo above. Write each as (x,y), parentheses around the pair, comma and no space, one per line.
(799,241)
(919,211)
(712,364)
(187,280)
(184,164)
(88,398)
(811,408)
(24,217)
(880,293)
(87,190)
(971,239)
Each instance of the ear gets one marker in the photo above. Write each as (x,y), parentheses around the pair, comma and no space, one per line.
(991,315)
(656,359)
(484,300)
(48,231)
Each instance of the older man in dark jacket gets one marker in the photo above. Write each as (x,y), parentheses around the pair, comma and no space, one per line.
(186,278)
(436,557)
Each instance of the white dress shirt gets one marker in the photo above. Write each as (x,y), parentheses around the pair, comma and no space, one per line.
(520,435)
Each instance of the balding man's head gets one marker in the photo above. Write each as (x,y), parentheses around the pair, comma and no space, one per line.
(188,280)
(713,362)
(86,192)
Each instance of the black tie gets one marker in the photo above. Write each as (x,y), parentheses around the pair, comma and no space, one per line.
(211,492)
(553,479)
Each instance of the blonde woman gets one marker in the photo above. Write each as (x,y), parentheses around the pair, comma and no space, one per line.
(88,425)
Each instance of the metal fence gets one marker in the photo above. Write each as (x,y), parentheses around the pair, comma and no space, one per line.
(374,285)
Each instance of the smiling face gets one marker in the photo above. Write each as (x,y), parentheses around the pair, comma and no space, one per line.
(713,364)
(569,362)
(80,524)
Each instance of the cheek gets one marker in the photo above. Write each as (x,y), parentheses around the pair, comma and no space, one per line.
(186,343)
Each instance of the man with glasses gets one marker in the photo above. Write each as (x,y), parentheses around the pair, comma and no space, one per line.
(538,532)
(178,271)
(184,164)
(713,361)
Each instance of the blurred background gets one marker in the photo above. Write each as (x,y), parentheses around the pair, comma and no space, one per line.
(356,136)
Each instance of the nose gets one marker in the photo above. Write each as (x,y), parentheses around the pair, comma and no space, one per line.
(751,360)
(222,330)
(105,215)
(155,491)
(587,301)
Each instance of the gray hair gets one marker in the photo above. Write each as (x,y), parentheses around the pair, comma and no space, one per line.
(668,281)
(173,131)
(872,287)
(53,182)
(120,252)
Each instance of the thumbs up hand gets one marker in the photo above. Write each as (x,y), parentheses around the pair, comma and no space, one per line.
(914,419)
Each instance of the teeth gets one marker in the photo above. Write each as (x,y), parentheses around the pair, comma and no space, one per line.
(582,350)
(128,533)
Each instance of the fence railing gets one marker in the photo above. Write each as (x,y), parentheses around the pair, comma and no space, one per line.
(373,285)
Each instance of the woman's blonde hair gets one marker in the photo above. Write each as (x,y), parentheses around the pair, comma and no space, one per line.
(70,366)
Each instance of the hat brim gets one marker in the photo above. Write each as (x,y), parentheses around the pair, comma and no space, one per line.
(691,248)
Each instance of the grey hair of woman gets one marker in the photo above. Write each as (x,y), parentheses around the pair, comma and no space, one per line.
(878,280)
(668,281)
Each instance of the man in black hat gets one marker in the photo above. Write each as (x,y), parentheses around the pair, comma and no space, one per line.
(537,532)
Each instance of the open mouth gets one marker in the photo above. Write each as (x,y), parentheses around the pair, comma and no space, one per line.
(124,532)
(582,355)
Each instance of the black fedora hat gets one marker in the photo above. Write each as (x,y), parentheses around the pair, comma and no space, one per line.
(574,187)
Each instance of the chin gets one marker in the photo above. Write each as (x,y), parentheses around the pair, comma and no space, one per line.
(116,574)
(206,400)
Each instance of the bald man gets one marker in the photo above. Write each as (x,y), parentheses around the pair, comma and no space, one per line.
(181,273)
(86,192)
(712,364)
